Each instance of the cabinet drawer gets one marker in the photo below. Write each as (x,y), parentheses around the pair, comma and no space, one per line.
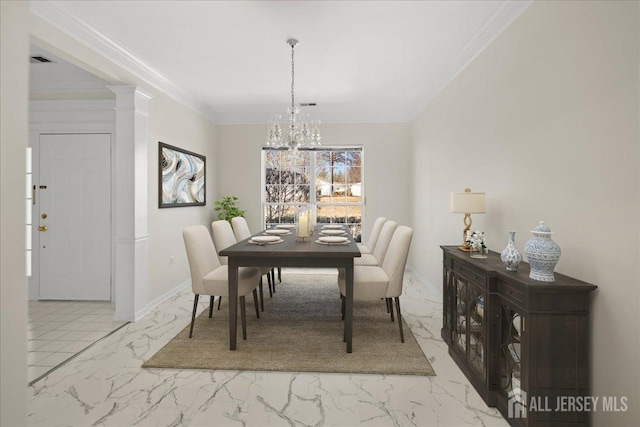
(509,291)
(470,274)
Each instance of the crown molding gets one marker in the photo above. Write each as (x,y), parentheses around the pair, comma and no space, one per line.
(499,21)
(63,18)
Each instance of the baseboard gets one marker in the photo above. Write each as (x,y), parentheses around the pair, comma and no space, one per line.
(426,283)
(159,300)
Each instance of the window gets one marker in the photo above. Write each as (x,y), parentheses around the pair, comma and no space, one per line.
(328,179)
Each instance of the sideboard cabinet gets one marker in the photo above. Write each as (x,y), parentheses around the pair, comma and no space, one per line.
(523,344)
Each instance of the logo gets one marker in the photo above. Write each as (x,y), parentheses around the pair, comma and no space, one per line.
(517,403)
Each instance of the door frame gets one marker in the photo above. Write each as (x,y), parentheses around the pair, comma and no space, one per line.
(68,117)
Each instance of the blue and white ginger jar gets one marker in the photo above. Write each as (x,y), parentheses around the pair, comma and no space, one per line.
(543,254)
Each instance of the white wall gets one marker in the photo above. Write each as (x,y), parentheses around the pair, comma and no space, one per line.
(14,72)
(176,125)
(386,171)
(545,121)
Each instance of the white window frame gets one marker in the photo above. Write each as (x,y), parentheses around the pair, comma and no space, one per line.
(312,183)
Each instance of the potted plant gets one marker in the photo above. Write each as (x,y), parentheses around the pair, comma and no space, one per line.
(227,208)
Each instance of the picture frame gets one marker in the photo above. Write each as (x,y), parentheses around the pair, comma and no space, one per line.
(181,177)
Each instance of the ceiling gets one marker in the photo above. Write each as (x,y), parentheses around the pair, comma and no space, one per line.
(359,61)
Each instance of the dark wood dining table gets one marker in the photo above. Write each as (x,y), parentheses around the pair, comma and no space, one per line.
(291,252)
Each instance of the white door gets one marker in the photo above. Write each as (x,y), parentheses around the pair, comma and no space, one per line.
(75,208)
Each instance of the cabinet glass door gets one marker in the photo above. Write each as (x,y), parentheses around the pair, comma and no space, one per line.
(511,333)
(469,333)
(447,295)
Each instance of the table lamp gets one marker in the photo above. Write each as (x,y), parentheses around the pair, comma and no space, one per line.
(467,203)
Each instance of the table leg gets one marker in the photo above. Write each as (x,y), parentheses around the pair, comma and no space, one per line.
(233,301)
(348,315)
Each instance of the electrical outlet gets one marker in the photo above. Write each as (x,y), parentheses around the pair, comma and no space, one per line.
(171,260)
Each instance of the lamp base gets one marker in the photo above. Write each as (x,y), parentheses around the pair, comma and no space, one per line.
(465,248)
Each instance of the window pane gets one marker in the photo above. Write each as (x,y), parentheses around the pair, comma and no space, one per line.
(272,193)
(272,176)
(353,175)
(354,158)
(339,194)
(302,193)
(354,214)
(339,215)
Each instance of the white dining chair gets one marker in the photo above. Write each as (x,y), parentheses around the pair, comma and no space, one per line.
(210,277)
(241,231)
(373,238)
(377,257)
(223,237)
(372,283)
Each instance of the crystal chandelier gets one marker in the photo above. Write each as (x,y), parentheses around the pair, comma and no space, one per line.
(295,130)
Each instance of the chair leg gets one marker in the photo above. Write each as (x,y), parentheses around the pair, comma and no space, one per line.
(269,282)
(243,317)
(399,318)
(219,301)
(390,307)
(211,306)
(193,315)
(273,280)
(280,274)
(255,302)
(387,301)
(344,330)
(261,295)
(343,303)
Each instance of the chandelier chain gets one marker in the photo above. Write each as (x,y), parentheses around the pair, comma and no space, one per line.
(292,77)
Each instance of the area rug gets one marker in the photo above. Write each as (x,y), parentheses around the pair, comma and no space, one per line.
(300,330)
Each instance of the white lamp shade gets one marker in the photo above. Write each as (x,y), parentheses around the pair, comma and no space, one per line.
(467,203)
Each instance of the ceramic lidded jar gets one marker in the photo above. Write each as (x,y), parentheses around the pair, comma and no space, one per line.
(543,254)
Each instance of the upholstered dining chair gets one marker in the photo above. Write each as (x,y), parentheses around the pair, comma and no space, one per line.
(373,238)
(223,237)
(209,277)
(380,249)
(371,283)
(241,231)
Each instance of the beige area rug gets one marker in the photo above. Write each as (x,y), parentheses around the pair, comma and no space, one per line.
(299,331)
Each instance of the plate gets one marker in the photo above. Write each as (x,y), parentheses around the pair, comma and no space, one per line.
(334,226)
(253,242)
(334,232)
(333,244)
(288,226)
(265,239)
(332,239)
(277,231)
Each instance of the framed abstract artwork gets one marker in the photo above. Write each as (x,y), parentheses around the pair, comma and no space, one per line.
(181,177)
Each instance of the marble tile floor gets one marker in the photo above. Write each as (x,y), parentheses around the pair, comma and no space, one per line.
(59,330)
(105,385)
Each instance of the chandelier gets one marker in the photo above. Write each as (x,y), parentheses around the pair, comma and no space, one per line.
(294,130)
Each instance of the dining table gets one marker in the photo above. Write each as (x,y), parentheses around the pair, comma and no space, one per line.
(292,251)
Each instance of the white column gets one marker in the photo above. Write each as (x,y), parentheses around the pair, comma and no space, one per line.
(130,201)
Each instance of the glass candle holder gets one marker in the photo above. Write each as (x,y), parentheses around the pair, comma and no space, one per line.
(304,223)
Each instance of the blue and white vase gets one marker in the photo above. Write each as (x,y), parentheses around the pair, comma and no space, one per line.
(543,254)
(511,256)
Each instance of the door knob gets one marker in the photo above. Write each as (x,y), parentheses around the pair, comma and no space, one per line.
(42,228)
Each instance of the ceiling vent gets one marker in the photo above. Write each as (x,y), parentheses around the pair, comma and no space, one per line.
(39,59)
(307,104)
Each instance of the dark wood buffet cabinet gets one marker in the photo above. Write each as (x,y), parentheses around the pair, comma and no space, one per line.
(523,344)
